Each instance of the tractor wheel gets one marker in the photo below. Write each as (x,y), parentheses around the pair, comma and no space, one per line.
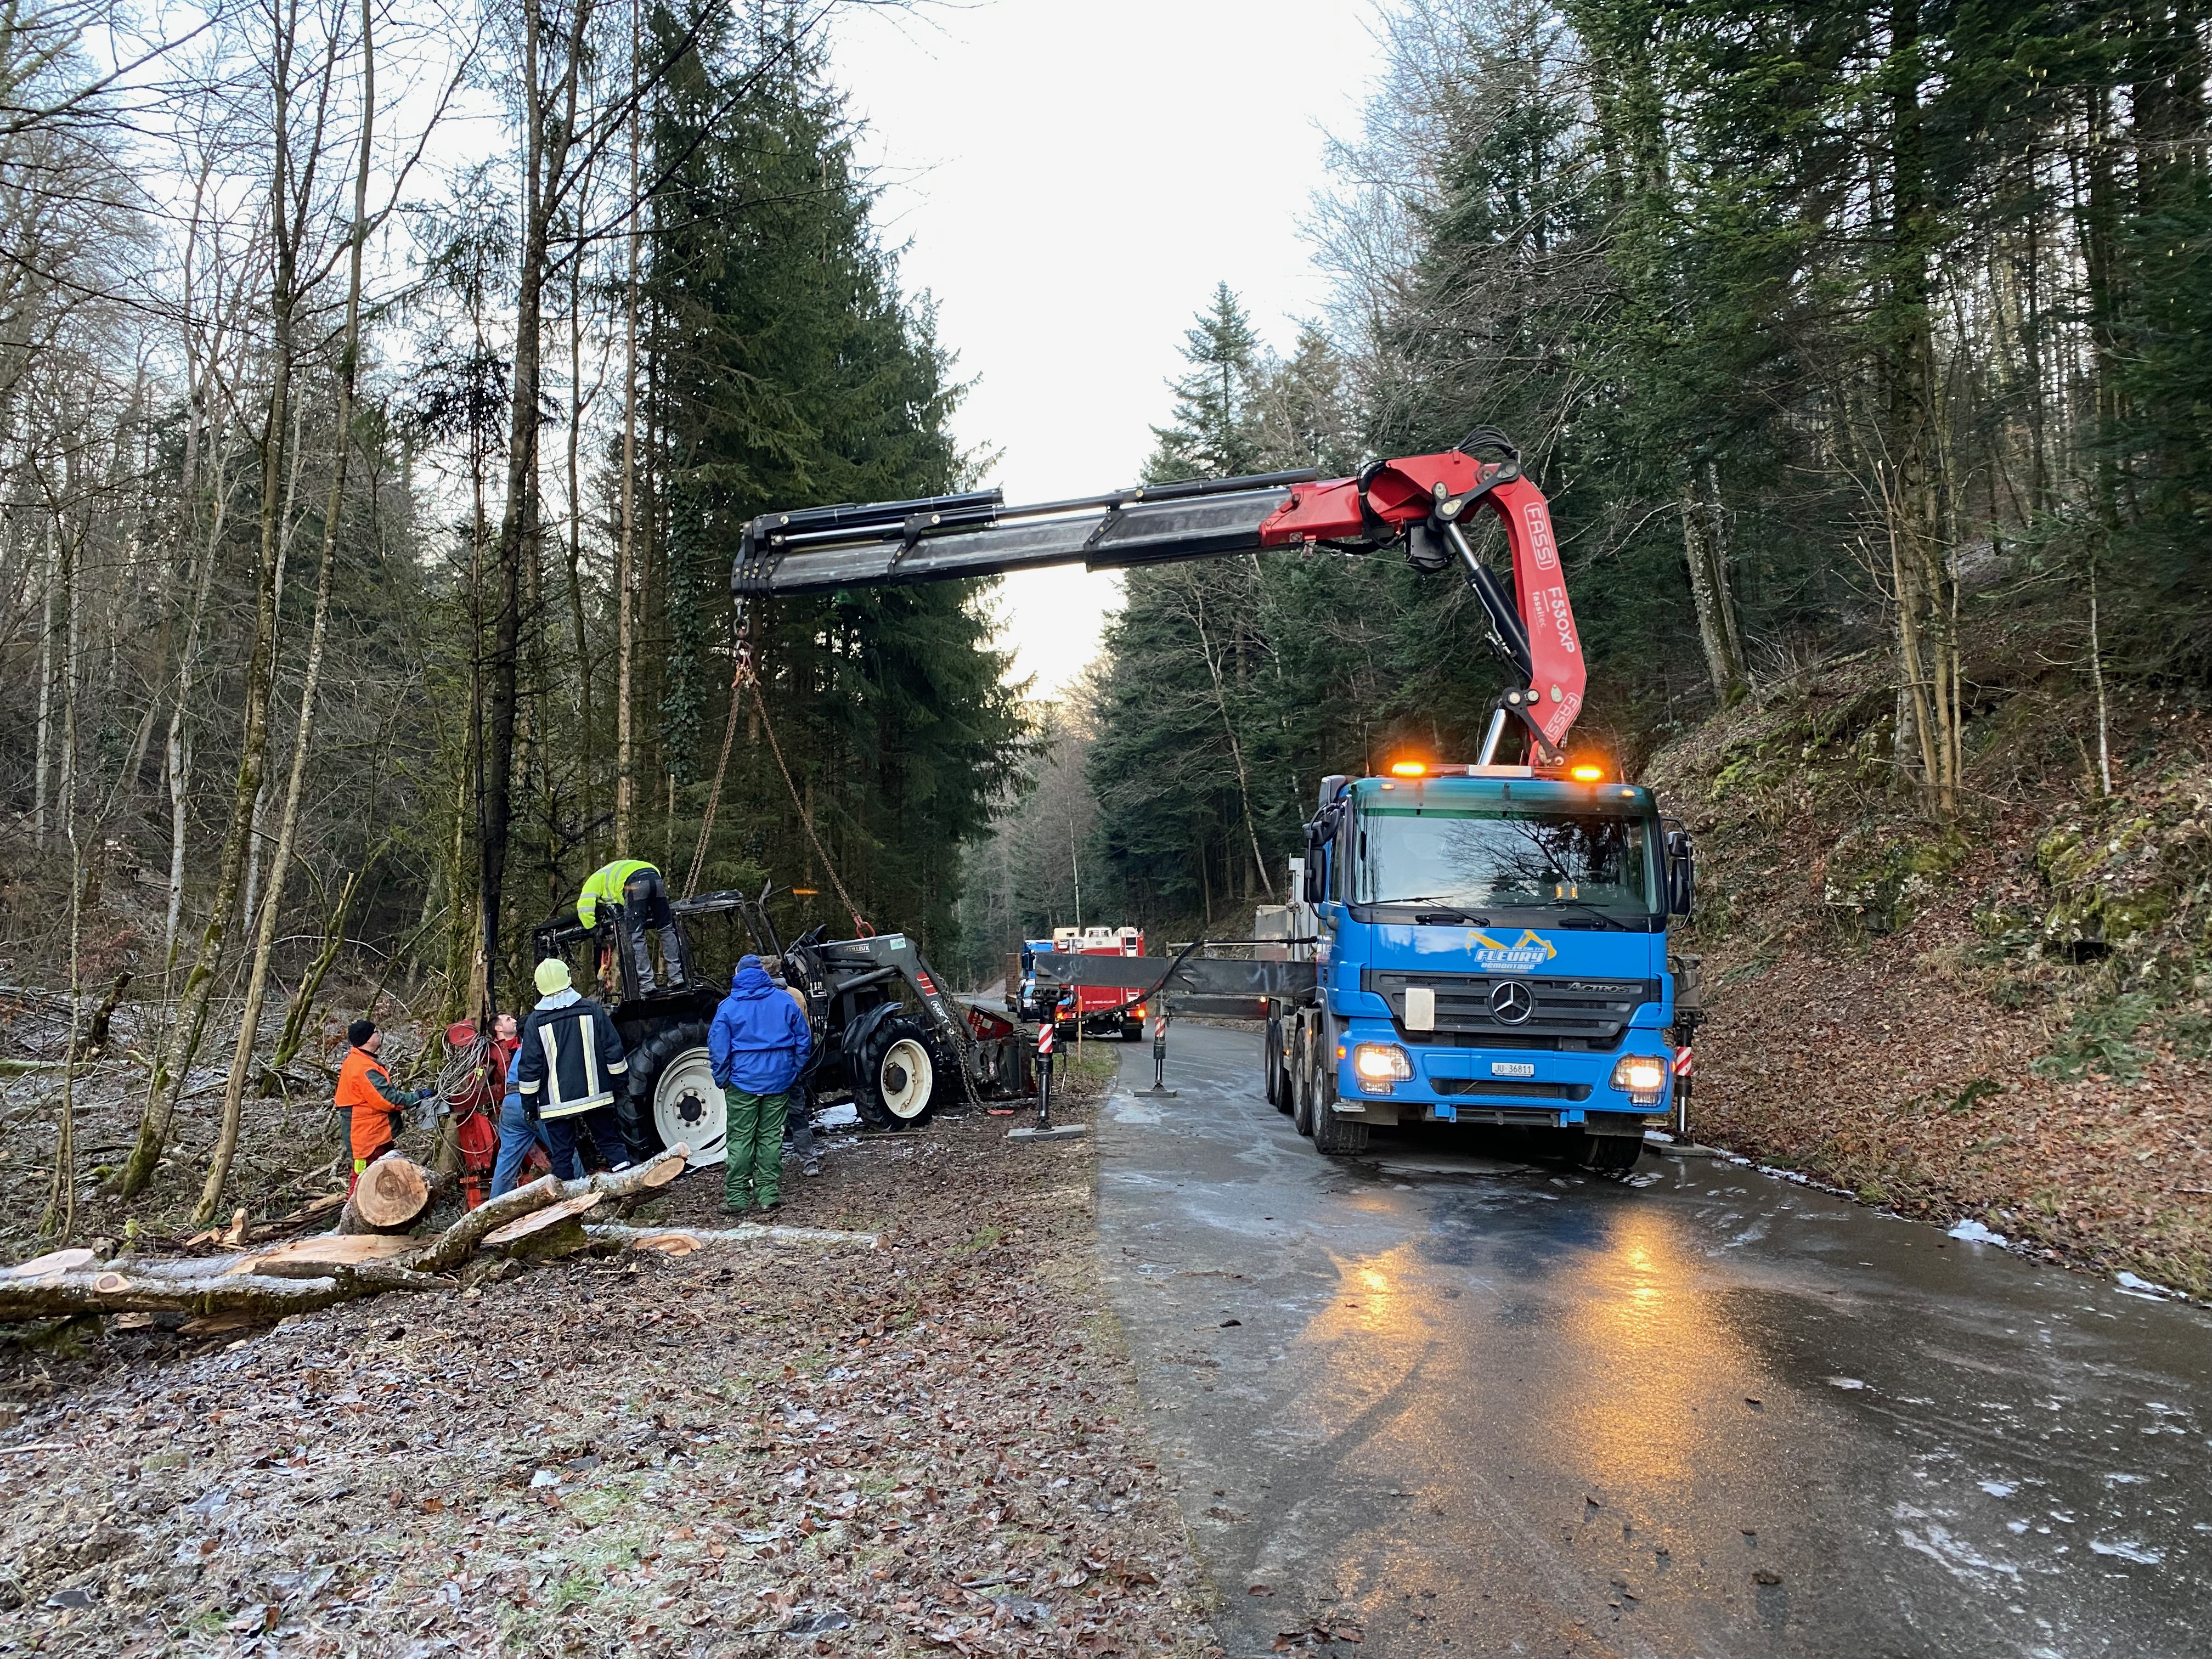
(1133,1031)
(1333,1136)
(898,1075)
(672,1097)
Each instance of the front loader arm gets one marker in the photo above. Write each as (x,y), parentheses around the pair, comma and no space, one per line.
(1419,501)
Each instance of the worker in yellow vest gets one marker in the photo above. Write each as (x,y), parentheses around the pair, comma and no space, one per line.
(634,888)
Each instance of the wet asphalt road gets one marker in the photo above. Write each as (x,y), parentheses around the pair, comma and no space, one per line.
(1464,1407)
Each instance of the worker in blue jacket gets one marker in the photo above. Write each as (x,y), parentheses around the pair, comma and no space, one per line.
(758,1043)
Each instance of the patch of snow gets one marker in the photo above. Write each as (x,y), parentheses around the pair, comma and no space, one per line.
(840,1116)
(1998,1488)
(2015,1527)
(2127,1479)
(1845,1382)
(2128,1282)
(1973,1232)
(1955,1555)
(2128,1550)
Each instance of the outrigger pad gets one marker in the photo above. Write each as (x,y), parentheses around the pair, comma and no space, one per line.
(1058,1132)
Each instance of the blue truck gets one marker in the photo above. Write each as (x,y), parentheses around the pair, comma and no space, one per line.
(1489,947)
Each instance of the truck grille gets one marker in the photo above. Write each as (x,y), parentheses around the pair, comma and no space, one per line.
(1573,1014)
(1501,1088)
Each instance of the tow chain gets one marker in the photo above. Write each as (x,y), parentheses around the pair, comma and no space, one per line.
(745,676)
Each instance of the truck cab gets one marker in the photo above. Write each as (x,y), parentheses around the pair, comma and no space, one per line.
(1491,947)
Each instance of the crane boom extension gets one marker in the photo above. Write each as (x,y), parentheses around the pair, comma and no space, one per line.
(1419,501)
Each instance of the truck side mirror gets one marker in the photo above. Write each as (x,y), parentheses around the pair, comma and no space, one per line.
(1682,872)
(1319,834)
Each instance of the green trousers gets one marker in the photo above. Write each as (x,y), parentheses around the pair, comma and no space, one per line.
(756,1143)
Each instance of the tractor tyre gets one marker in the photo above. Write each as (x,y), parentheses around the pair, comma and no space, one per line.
(1333,1136)
(899,1075)
(1133,1031)
(670,1096)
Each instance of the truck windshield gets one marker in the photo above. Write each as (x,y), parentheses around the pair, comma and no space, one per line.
(1493,862)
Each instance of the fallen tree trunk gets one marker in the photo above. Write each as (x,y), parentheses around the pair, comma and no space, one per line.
(267,1297)
(460,1241)
(648,1238)
(313,1273)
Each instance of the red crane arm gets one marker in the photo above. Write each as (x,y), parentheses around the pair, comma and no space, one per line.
(1418,500)
(1409,494)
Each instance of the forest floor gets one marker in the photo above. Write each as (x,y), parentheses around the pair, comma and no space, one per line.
(2003,1021)
(931,1446)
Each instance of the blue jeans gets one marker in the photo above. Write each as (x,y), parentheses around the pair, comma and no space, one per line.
(518,1133)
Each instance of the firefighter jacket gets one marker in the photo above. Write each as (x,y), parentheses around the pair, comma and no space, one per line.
(365,1092)
(570,1059)
(604,886)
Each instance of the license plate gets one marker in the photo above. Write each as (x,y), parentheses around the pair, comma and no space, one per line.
(1511,1068)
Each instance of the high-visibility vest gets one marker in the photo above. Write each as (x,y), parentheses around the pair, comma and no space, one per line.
(606,885)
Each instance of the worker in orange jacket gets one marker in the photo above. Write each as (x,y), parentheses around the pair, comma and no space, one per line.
(366,1094)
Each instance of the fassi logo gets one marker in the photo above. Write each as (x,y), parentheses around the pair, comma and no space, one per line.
(1540,536)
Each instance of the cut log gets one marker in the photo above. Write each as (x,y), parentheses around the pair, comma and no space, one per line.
(454,1245)
(537,1221)
(323,1253)
(53,1261)
(650,1238)
(390,1197)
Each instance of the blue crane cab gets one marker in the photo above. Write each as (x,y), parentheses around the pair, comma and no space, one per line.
(1491,947)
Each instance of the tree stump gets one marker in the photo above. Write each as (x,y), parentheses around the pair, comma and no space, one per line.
(389,1198)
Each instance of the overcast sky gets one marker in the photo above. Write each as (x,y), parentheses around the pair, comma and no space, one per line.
(1073,179)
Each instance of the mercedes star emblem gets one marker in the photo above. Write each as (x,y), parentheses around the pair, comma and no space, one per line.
(1512,1002)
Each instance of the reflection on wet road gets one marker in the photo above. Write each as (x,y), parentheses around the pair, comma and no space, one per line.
(1459,1406)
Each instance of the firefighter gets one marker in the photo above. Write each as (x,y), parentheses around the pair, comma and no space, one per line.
(759,1045)
(567,1070)
(366,1094)
(635,887)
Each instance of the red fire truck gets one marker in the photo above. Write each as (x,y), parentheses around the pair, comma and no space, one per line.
(1099,1010)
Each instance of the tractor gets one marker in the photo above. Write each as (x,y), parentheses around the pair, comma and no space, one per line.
(887,1035)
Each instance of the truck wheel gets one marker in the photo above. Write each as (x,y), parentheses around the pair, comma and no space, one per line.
(897,1084)
(1133,1031)
(1333,1136)
(1300,1080)
(1608,1155)
(1271,1077)
(672,1097)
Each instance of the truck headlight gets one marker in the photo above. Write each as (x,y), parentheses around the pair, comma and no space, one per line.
(1642,1078)
(1379,1065)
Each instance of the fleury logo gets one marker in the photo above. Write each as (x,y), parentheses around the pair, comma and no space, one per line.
(1526,954)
